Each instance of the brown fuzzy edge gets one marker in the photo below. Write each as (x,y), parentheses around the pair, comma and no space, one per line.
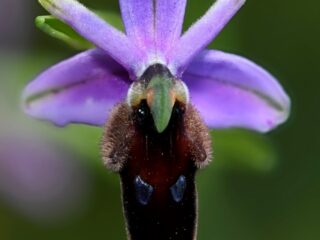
(198,133)
(115,142)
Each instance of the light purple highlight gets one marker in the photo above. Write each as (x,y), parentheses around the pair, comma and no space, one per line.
(231,91)
(82,89)
(96,30)
(201,33)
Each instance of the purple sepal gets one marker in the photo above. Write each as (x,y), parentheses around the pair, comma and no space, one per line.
(231,91)
(82,89)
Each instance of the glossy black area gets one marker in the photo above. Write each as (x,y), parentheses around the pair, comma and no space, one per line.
(144,120)
(142,115)
(143,191)
(178,189)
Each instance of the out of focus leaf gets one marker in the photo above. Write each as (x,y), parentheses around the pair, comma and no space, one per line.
(59,30)
(243,150)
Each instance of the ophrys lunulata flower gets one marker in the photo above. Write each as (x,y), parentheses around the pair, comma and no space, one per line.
(156,80)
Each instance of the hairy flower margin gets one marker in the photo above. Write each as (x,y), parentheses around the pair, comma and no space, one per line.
(228,90)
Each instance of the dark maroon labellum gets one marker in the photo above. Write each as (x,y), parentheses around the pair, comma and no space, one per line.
(157,170)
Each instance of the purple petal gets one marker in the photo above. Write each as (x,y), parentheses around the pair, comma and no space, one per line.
(200,34)
(138,18)
(96,30)
(154,26)
(169,21)
(82,89)
(231,91)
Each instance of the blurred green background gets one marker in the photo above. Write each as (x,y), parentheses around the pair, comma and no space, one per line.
(53,184)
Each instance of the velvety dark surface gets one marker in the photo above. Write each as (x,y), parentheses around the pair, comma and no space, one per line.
(159,160)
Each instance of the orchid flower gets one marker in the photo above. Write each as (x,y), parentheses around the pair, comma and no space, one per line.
(166,78)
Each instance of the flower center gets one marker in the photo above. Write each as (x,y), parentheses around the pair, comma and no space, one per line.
(160,90)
